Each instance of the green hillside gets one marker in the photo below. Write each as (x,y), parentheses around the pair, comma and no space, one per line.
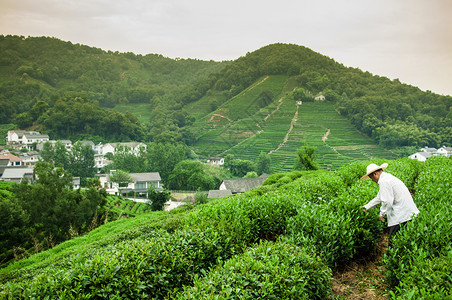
(266,118)
(284,239)
(241,107)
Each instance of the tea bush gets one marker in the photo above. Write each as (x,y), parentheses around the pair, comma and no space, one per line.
(339,232)
(267,271)
(280,241)
(424,244)
(153,267)
(245,219)
(318,189)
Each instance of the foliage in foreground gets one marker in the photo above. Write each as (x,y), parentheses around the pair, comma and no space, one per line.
(284,241)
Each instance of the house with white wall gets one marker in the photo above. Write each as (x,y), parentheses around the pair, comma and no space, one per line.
(12,160)
(139,186)
(420,156)
(29,159)
(31,138)
(444,151)
(133,147)
(427,152)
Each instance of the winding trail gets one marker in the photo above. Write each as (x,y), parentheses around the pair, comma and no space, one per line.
(325,136)
(280,101)
(286,138)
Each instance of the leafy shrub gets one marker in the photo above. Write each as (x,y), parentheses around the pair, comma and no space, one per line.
(267,271)
(338,228)
(200,198)
(428,278)
(246,219)
(154,267)
(352,172)
(425,242)
(277,178)
(318,189)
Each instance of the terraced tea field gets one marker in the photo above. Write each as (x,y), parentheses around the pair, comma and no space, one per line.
(243,128)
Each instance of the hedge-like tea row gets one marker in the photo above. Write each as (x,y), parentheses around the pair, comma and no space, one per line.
(268,271)
(154,267)
(282,242)
(339,230)
(245,220)
(420,263)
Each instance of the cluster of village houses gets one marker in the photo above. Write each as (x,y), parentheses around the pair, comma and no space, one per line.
(16,167)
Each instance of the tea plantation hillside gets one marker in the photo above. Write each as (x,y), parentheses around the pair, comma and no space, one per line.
(282,240)
(253,122)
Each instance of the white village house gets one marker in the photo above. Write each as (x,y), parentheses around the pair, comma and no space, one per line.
(25,139)
(140,185)
(101,150)
(427,152)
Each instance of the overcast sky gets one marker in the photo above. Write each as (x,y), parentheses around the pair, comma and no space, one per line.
(406,39)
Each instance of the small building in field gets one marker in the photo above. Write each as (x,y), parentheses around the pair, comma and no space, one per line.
(319,97)
(241,185)
(445,151)
(218,194)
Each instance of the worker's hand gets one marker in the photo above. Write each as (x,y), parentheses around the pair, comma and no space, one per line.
(364,209)
(382,219)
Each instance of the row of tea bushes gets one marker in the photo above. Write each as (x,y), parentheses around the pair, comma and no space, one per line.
(269,270)
(155,266)
(339,230)
(246,220)
(238,247)
(420,263)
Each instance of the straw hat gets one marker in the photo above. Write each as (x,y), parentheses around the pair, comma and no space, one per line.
(372,168)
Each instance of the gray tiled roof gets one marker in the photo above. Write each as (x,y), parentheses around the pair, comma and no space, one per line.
(16,173)
(241,185)
(218,193)
(146,177)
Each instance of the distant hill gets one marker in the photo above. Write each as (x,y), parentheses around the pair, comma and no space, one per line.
(240,107)
(41,68)
(251,106)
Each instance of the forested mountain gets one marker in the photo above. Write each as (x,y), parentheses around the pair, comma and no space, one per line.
(67,90)
(48,83)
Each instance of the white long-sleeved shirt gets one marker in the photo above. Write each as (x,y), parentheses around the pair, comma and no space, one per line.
(395,198)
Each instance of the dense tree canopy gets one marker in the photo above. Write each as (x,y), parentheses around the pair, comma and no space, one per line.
(45,213)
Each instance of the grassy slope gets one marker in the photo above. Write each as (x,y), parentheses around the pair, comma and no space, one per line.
(242,128)
(140,110)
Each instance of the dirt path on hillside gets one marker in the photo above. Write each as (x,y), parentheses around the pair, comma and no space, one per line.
(325,136)
(254,85)
(286,138)
(217,115)
(280,101)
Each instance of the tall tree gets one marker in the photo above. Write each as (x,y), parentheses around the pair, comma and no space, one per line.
(163,157)
(124,159)
(81,162)
(190,175)
(306,157)
(263,164)
(157,199)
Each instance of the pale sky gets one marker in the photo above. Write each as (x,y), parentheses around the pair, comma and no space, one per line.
(406,39)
